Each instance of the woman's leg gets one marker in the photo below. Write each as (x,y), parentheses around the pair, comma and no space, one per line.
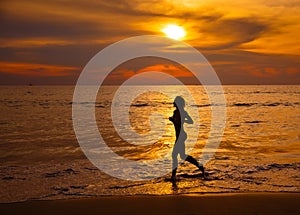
(174,161)
(189,158)
(195,162)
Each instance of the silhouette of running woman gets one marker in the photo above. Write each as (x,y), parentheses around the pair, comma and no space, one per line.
(180,116)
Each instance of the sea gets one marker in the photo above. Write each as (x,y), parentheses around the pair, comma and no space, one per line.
(42,157)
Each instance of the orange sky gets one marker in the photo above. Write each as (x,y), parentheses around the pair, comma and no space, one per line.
(247,42)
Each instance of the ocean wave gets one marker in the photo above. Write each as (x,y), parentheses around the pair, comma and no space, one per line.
(274,104)
(273,166)
(254,121)
(244,104)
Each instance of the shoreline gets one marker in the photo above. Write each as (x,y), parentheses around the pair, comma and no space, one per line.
(223,203)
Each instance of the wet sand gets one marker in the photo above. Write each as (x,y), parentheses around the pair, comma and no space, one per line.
(243,203)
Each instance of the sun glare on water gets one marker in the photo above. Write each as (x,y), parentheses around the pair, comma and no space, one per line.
(174,31)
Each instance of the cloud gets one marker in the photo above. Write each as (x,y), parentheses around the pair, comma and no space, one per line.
(209,26)
(144,65)
(67,29)
(234,35)
(283,3)
(242,67)
(230,33)
(36,69)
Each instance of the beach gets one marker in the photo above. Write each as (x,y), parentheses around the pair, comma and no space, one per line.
(245,203)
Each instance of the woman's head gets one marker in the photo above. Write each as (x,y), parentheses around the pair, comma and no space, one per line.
(179,102)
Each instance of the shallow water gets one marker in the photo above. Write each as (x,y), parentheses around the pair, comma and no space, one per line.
(41,158)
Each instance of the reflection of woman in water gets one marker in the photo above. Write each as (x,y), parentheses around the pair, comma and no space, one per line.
(180,116)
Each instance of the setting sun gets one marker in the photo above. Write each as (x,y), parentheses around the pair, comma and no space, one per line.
(174,31)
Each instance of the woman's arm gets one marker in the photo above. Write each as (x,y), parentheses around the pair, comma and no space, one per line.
(172,117)
(188,119)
